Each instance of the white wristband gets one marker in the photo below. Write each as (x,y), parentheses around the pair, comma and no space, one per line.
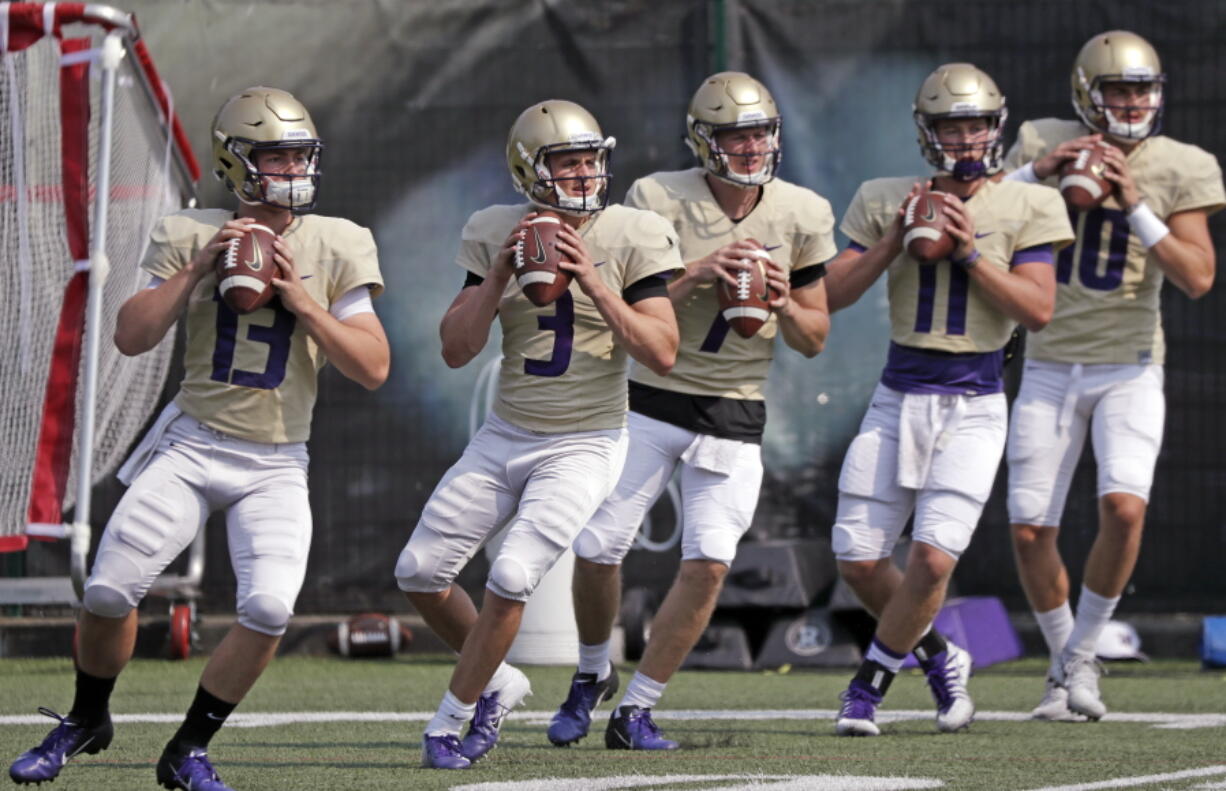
(1146,225)
(1024,173)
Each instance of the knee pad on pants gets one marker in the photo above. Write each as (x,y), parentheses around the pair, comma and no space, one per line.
(415,574)
(264,613)
(105,601)
(511,579)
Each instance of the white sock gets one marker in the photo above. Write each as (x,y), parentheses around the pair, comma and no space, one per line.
(1056,626)
(1093,612)
(885,657)
(451,716)
(642,692)
(501,676)
(595,659)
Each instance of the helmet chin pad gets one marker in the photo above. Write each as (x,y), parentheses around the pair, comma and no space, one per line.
(968,169)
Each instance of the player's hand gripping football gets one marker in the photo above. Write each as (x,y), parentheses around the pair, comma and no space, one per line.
(961,227)
(504,262)
(781,288)
(580,265)
(202,262)
(289,286)
(1119,174)
(1051,162)
(894,234)
(724,263)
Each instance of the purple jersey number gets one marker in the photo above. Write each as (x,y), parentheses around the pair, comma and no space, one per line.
(959,287)
(1090,236)
(277,337)
(562,324)
(715,335)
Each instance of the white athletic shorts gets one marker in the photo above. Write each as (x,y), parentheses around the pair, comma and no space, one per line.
(545,485)
(1122,407)
(193,471)
(932,454)
(720,481)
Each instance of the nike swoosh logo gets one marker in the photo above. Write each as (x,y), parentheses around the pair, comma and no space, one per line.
(254,263)
(304,277)
(214,717)
(600,263)
(931,214)
(539,258)
(985,233)
(769,247)
(83,745)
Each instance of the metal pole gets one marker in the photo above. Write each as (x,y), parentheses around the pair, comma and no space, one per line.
(99,266)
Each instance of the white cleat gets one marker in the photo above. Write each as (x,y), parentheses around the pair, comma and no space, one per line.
(1081,679)
(1054,706)
(947,678)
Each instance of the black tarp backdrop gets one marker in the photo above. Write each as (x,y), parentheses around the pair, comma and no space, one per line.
(414,100)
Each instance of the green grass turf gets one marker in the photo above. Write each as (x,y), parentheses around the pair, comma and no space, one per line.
(350,755)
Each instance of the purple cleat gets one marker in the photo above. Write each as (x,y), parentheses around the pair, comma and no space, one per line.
(860,703)
(66,740)
(574,717)
(190,772)
(492,709)
(442,751)
(948,673)
(631,728)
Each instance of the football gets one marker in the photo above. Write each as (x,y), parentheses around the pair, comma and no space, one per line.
(369,634)
(245,270)
(746,306)
(1082,183)
(536,261)
(924,236)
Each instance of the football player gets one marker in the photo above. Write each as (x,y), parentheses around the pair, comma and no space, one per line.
(234,438)
(934,432)
(555,443)
(708,414)
(1099,363)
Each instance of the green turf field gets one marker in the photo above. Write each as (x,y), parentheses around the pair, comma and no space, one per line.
(789,745)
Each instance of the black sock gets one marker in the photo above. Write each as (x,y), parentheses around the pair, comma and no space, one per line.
(204,718)
(875,674)
(930,645)
(89,706)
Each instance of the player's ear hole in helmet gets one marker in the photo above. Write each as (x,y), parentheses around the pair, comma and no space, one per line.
(557,126)
(262,119)
(733,100)
(1124,64)
(961,91)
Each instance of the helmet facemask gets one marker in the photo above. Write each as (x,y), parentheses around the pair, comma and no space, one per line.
(719,163)
(548,190)
(1105,118)
(298,194)
(948,157)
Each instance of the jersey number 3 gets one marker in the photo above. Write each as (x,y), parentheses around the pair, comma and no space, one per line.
(277,337)
(562,325)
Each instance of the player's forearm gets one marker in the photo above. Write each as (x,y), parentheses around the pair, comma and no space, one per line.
(357,347)
(1190,268)
(1027,302)
(805,329)
(851,273)
(650,339)
(465,328)
(146,317)
(681,286)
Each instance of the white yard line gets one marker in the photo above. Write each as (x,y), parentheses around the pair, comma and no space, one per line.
(1162,720)
(1130,782)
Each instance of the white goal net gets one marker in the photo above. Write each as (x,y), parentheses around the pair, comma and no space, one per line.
(51,121)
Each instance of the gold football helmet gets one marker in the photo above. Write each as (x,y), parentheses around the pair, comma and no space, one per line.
(259,119)
(732,100)
(550,127)
(960,90)
(1117,56)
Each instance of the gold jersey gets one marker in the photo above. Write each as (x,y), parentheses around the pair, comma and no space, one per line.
(1107,297)
(562,369)
(254,376)
(795,225)
(937,306)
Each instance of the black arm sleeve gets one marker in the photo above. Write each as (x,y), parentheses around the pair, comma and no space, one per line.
(650,286)
(472,280)
(810,274)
